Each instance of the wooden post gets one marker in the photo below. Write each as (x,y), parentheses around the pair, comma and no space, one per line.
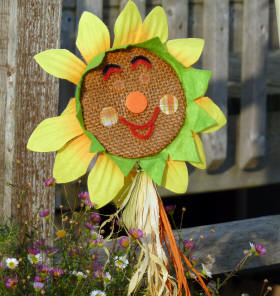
(141,4)
(177,16)
(32,95)
(215,59)
(95,7)
(252,128)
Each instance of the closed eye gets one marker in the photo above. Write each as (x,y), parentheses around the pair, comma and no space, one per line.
(110,69)
(140,60)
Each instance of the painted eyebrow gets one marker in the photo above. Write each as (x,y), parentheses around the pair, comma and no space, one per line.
(109,69)
(135,59)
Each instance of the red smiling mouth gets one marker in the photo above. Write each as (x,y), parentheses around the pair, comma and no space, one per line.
(149,125)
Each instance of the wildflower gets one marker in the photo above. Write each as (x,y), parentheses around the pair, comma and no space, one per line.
(44,269)
(38,286)
(51,252)
(74,252)
(50,182)
(2,265)
(38,278)
(136,234)
(34,259)
(83,195)
(12,263)
(61,233)
(89,226)
(40,244)
(205,271)
(95,218)
(80,275)
(11,282)
(107,278)
(260,250)
(120,262)
(97,293)
(45,214)
(98,271)
(88,204)
(33,251)
(124,242)
(57,272)
(170,209)
(188,245)
(94,234)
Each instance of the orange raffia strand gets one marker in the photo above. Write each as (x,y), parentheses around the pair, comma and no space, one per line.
(176,254)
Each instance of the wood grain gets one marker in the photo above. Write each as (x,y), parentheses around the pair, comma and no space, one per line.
(215,59)
(4,21)
(177,12)
(32,95)
(252,137)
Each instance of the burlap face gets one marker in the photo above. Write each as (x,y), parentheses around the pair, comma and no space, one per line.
(154,83)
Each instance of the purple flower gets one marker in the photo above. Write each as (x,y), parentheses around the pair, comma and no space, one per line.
(38,286)
(88,203)
(260,250)
(11,282)
(89,226)
(40,244)
(57,272)
(50,182)
(38,278)
(136,234)
(188,245)
(44,269)
(95,218)
(74,252)
(98,271)
(83,195)
(124,242)
(45,214)
(170,209)
(51,252)
(33,251)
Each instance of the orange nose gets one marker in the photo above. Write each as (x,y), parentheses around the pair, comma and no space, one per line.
(136,102)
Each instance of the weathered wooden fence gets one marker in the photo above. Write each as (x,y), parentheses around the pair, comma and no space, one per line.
(241,51)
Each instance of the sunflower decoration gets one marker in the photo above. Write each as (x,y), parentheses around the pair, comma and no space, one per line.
(138,109)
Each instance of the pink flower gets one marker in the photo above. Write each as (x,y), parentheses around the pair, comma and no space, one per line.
(38,278)
(98,271)
(260,250)
(44,269)
(38,286)
(136,234)
(89,226)
(188,245)
(57,272)
(40,244)
(124,242)
(95,218)
(83,195)
(50,182)
(33,251)
(51,252)
(45,214)
(170,209)
(11,282)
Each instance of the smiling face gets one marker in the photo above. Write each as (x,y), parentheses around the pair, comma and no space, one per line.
(133,103)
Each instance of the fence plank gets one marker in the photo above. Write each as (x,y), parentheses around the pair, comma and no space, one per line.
(4,10)
(177,16)
(252,138)
(215,58)
(141,4)
(95,7)
(32,95)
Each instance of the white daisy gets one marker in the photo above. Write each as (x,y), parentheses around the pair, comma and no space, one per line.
(80,275)
(12,263)
(34,259)
(107,278)
(97,293)
(121,262)
(205,271)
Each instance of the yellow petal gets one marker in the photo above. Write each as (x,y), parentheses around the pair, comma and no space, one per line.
(104,181)
(187,50)
(61,63)
(71,107)
(93,36)
(200,151)
(72,160)
(128,26)
(155,25)
(214,111)
(175,177)
(52,133)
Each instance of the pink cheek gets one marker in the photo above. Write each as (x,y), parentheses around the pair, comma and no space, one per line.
(168,104)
